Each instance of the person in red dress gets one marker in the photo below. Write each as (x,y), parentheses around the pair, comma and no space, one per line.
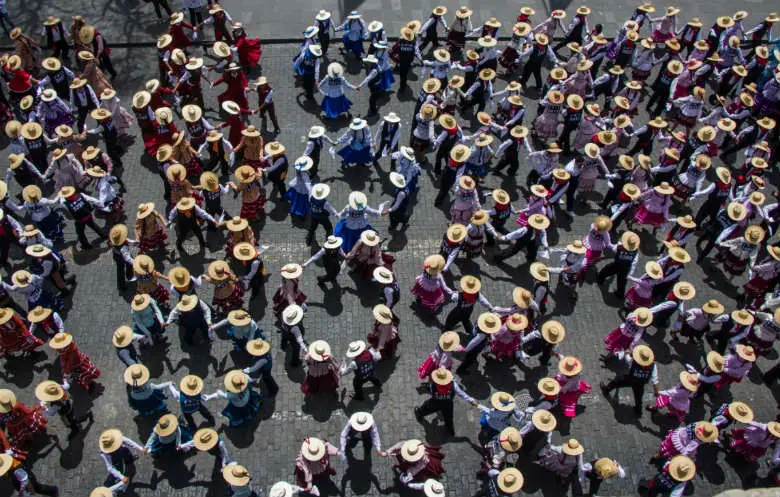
(236,83)
(14,334)
(249,50)
(166,128)
(176,30)
(22,423)
(76,367)
(144,116)
(234,120)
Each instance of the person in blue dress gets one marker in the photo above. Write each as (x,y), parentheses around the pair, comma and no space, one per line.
(309,38)
(260,350)
(481,153)
(168,437)
(355,31)
(335,103)
(241,328)
(191,400)
(376,34)
(358,146)
(383,61)
(144,396)
(354,220)
(300,187)
(243,402)
(407,166)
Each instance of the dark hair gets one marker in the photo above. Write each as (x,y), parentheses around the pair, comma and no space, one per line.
(598,29)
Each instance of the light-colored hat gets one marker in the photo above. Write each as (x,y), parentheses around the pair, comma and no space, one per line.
(576,247)
(236,475)
(774,428)
(539,221)
(383,314)
(754,234)
(319,350)
(381,273)
(544,420)
(291,271)
(38,314)
(573,448)
(49,391)
(682,468)
(274,148)
(219,270)
(449,341)
(191,385)
(355,348)
(21,278)
(320,191)
(715,361)
(502,401)
(442,376)
(236,381)
(140,302)
(194,64)
(434,264)
(683,290)
(292,314)
(712,306)
(570,366)
(110,441)
(548,386)
(553,332)
(205,439)
(740,412)
(642,316)
(37,250)
(187,303)
(397,179)
(643,355)
(521,297)
(736,211)
(689,380)
(32,130)
(136,375)
(489,323)
(230,107)
(357,200)
(510,480)
(460,152)
(361,421)
(122,336)
(428,112)
(539,271)
(746,352)
(245,174)
(258,347)
(61,341)
(412,450)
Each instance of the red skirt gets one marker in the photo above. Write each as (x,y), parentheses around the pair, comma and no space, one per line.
(660,37)
(24,428)
(635,300)
(760,346)
(431,300)
(568,400)
(390,346)
(161,295)
(85,373)
(280,302)
(667,448)
(756,287)
(230,303)
(508,56)
(193,168)
(504,349)
(150,142)
(726,380)
(733,264)
(19,342)
(522,219)
(741,446)
(434,468)
(644,216)
(321,384)
(591,256)
(639,75)
(426,368)
(616,341)
(154,242)
(252,210)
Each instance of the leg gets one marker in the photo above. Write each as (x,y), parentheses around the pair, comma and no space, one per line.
(199,235)
(97,229)
(357,385)
(272,114)
(80,233)
(639,390)
(446,413)
(270,383)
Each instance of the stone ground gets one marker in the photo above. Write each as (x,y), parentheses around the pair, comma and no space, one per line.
(268,447)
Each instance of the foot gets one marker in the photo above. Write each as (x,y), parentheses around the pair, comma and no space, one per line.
(604,389)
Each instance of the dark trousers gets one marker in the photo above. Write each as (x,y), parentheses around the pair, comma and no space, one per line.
(196,17)
(220,161)
(611,195)
(444,407)
(595,482)
(565,138)
(445,183)
(621,276)
(161,3)
(105,64)
(637,387)
(189,417)
(269,111)
(359,381)
(644,147)
(531,248)
(295,350)
(433,40)
(478,100)
(316,221)
(708,211)
(81,119)
(271,386)
(308,85)
(185,229)
(124,272)
(256,283)
(536,70)
(442,156)
(374,93)
(61,50)
(331,273)
(278,183)
(189,332)
(324,42)
(363,436)
(81,234)
(462,316)
(511,160)
(403,71)
(471,357)
(397,217)
(5,247)
(658,98)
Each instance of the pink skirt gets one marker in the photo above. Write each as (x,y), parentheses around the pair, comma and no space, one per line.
(252,210)
(388,351)
(616,341)
(741,446)
(430,299)
(592,256)
(660,36)
(664,401)
(644,216)
(426,368)
(522,219)
(546,126)
(761,346)
(568,400)
(635,300)
(667,448)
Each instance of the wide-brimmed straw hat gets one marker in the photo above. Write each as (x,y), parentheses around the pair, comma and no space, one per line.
(570,366)
(543,420)
(682,468)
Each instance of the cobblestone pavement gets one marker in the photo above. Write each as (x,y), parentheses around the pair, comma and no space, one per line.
(268,447)
(127,21)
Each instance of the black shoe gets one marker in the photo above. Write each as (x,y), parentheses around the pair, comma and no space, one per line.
(604,390)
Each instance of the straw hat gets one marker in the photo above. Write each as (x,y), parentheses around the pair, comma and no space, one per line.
(541,39)
(442,376)
(236,475)
(407,34)
(101,492)
(219,270)
(539,191)
(383,314)
(86,34)
(136,375)
(191,385)
(275,148)
(122,337)
(38,314)
(245,174)
(487,74)
(5,315)
(244,251)
(679,254)
(664,188)
(629,240)
(456,82)
(539,271)
(442,55)
(487,41)
(502,401)
(606,468)
(548,387)
(740,412)
(746,352)
(258,347)
(576,247)
(521,29)
(185,204)
(573,448)
(32,130)
(544,420)
(205,439)
(683,291)
(555,96)
(561,174)
(110,441)
(355,348)
(736,211)
(713,307)
(658,122)
(21,278)
(479,218)
(448,121)
(643,355)
(460,153)
(689,380)
(767,123)
(163,115)
(517,322)
(361,421)
(187,303)
(49,391)
(706,134)
(715,361)
(230,107)
(236,381)
(291,271)
(449,341)
(381,273)
(141,99)
(140,302)
(553,332)
(489,323)
(428,112)
(754,234)
(575,102)
(774,251)
(774,428)
(319,350)
(570,366)
(558,74)
(434,264)
(510,480)
(397,179)
(38,250)
(539,221)
(61,341)
(483,140)
(357,200)
(510,439)
(682,468)
(292,314)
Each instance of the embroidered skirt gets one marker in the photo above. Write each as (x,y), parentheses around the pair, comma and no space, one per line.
(644,216)
(326,383)
(238,415)
(230,303)
(335,106)
(252,210)
(154,241)
(430,299)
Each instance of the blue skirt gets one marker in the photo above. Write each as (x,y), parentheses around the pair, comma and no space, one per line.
(349,236)
(240,415)
(158,448)
(351,156)
(299,202)
(474,170)
(51,227)
(47,300)
(387,79)
(335,106)
(152,405)
(356,47)
(491,432)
